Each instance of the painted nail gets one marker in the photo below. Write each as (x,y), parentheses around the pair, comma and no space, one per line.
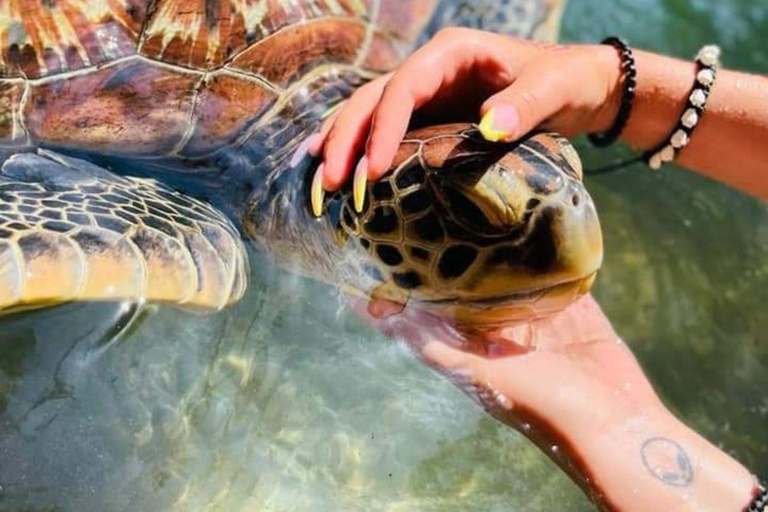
(317,193)
(300,153)
(360,183)
(314,146)
(500,123)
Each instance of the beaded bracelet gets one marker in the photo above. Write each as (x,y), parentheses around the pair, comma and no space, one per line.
(707,60)
(628,95)
(760,502)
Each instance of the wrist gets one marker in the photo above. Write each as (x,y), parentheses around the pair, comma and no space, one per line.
(607,63)
(663,87)
(653,461)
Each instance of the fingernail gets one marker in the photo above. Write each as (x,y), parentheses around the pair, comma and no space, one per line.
(360,183)
(500,123)
(301,152)
(314,145)
(317,193)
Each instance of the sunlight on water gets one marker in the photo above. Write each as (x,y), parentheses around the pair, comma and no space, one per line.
(288,402)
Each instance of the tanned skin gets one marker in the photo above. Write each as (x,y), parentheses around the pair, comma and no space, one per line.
(571,89)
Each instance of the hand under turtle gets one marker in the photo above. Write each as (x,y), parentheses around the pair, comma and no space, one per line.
(574,388)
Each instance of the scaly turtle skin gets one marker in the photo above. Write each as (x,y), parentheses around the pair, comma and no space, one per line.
(473,231)
(141,138)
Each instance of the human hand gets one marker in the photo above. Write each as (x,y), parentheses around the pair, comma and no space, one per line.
(573,387)
(564,374)
(514,85)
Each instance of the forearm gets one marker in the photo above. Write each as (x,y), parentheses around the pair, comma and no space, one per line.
(654,462)
(633,455)
(619,442)
(615,439)
(570,385)
(731,141)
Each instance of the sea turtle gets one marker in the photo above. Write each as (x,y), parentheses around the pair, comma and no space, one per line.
(144,140)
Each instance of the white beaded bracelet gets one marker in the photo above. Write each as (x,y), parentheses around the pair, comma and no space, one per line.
(708,60)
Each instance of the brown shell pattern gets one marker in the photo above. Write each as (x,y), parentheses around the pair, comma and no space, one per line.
(110,75)
(42,38)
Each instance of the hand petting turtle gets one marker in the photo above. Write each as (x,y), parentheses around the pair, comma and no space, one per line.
(514,86)
(566,381)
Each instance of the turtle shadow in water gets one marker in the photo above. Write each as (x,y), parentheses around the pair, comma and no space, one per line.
(73,402)
(79,334)
(45,357)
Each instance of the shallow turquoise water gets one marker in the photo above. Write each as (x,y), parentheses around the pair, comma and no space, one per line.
(288,403)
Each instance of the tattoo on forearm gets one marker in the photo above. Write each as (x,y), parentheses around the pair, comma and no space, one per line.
(667,461)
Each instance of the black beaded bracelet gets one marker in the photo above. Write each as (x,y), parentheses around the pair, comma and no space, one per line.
(760,502)
(707,61)
(628,95)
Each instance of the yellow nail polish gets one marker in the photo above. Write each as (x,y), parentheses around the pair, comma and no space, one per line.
(489,130)
(317,194)
(360,184)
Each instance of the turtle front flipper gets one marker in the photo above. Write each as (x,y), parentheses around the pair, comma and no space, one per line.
(70,230)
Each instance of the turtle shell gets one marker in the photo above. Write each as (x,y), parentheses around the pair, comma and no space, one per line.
(180,76)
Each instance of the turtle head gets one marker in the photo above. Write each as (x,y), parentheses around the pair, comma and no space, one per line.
(480,232)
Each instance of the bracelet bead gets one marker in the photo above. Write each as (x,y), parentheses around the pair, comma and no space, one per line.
(690,118)
(708,61)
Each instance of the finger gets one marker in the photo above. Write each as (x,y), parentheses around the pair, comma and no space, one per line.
(450,358)
(346,139)
(532,99)
(317,144)
(445,62)
(390,124)
(414,85)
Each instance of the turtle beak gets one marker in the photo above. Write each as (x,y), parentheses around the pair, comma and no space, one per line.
(537,255)
(536,230)
(530,226)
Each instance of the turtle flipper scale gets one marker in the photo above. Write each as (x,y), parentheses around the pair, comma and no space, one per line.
(70,230)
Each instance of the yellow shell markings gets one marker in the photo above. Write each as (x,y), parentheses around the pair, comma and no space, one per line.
(64,36)
(188,30)
(57,35)
(170,24)
(12,114)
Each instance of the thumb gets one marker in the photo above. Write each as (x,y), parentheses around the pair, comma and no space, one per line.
(528,102)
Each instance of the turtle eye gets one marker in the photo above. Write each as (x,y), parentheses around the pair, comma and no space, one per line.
(489,211)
